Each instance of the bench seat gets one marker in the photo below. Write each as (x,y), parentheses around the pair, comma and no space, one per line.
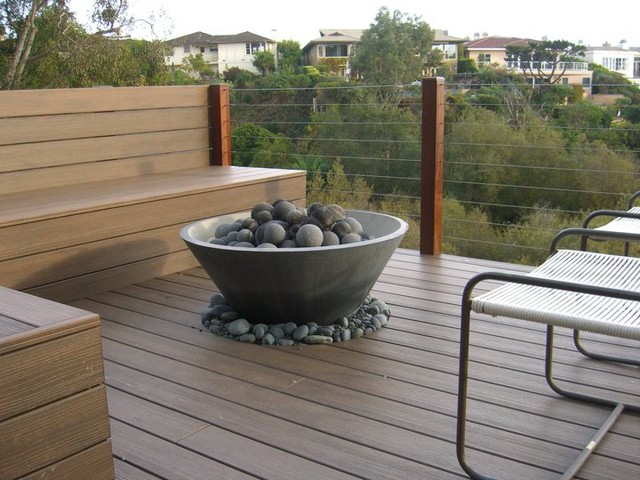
(64,242)
(54,421)
(95,184)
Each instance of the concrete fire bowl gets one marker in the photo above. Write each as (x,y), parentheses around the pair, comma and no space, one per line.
(313,284)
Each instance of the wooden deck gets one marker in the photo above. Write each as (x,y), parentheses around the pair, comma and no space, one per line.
(187,404)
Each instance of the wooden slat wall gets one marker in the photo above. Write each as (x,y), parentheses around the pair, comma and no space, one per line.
(50,371)
(49,139)
(74,430)
(53,408)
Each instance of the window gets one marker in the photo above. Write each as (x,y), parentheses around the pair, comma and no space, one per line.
(320,51)
(202,49)
(187,49)
(565,81)
(449,51)
(484,58)
(586,82)
(251,48)
(336,51)
(615,64)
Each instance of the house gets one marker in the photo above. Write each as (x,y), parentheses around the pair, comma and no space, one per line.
(335,47)
(221,52)
(620,59)
(492,51)
(448,45)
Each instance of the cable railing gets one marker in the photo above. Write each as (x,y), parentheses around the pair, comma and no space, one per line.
(513,173)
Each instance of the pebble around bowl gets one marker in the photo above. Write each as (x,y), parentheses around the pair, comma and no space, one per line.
(301,285)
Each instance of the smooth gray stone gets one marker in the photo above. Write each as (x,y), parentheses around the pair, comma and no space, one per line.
(300,333)
(318,340)
(268,339)
(238,327)
(247,338)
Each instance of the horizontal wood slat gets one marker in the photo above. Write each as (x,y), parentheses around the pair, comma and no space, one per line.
(49,371)
(43,268)
(22,103)
(92,282)
(102,171)
(27,207)
(55,431)
(88,125)
(97,460)
(38,312)
(88,150)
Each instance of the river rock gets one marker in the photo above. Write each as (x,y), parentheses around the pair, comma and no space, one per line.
(238,327)
(318,340)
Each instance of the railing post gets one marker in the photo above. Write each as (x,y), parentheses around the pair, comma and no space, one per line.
(219,125)
(433,95)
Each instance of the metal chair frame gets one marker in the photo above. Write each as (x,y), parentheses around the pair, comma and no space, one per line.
(556,284)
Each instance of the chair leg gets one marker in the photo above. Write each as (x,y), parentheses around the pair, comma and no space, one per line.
(567,393)
(618,408)
(463,377)
(593,443)
(598,356)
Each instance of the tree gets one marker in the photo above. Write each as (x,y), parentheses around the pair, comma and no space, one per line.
(264,62)
(607,82)
(42,37)
(258,147)
(19,19)
(196,66)
(394,50)
(289,55)
(111,16)
(467,65)
(388,155)
(544,62)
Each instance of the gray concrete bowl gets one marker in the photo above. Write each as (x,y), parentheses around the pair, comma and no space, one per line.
(314,284)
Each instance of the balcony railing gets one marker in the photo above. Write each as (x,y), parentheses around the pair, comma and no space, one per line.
(496,180)
(547,66)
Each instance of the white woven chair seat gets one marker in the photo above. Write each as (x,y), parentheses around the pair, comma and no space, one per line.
(592,313)
(622,224)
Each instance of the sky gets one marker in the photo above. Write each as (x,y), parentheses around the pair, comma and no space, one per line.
(301,21)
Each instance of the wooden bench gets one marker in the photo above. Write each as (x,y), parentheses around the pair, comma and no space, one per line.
(95,184)
(54,421)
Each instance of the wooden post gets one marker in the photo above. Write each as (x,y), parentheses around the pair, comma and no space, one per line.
(219,125)
(433,94)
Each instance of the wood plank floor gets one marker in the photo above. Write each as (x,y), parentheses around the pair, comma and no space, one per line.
(186,404)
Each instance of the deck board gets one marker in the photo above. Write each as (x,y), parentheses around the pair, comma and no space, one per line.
(187,404)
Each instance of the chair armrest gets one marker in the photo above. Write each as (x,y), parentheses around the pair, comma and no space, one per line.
(595,234)
(609,213)
(633,198)
(525,279)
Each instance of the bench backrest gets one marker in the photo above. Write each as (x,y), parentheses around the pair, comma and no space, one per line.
(52,138)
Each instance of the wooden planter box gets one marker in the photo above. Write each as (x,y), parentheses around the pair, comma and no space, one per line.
(54,421)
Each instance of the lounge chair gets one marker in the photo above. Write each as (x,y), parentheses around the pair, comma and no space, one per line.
(623,221)
(584,291)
